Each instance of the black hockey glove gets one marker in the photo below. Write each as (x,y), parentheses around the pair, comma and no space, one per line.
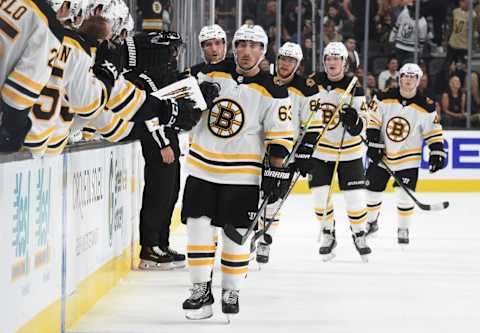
(108,63)
(375,149)
(178,114)
(303,156)
(210,91)
(350,120)
(14,127)
(276,181)
(437,157)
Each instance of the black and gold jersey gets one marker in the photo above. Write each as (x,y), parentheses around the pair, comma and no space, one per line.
(228,144)
(404,125)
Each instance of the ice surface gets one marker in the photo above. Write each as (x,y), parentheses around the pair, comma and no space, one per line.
(432,286)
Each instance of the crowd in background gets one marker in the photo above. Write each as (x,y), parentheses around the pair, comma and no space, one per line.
(442,56)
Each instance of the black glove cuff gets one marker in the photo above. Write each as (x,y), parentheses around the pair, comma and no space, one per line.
(373,135)
(276,150)
(437,146)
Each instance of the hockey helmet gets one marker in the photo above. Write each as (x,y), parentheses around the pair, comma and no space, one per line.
(213,31)
(254,33)
(411,69)
(335,49)
(291,50)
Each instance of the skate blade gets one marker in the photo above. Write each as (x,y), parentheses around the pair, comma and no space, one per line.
(228,317)
(147,265)
(403,246)
(179,264)
(204,312)
(372,236)
(328,257)
(364,258)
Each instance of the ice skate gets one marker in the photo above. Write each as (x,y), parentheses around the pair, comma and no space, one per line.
(263,252)
(402,237)
(199,305)
(154,259)
(329,243)
(230,305)
(371,229)
(361,245)
(178,259)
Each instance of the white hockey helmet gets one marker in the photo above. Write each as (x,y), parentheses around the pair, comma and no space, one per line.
(291,50)
(411,69)
(254,33)
(73,8)
(335,49)
(80,14)
(93,4)
(213,31)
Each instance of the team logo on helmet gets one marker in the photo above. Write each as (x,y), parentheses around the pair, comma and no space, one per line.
(398,129)
(225,118)
(328,110)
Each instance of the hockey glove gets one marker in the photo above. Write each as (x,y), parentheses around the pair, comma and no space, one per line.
(375,149)
(437,157)
(276,182)
(303,155)
(350,120)
(14,127)
(210,91)
(178,114)
(108,63)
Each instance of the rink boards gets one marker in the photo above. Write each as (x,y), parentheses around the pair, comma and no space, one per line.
(69,225)
(462,173)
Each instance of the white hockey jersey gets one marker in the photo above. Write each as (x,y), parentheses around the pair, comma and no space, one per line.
(403,33)
(303,101)
(404,125)
(30,39)
(72,89)
(228,144)
(329,96)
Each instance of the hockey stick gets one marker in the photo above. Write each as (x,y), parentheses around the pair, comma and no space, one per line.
(268,224)
(433,207)
(229,229)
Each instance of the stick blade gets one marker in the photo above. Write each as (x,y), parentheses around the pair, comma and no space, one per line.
(435,207)
(233,234)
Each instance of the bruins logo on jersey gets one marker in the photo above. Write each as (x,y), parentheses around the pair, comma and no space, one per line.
(328,110)
(398,129)
(225,118)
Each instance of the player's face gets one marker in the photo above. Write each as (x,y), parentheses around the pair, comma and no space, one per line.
(248,53)
(286,66)
(213,50)
(408,82)
(334,65)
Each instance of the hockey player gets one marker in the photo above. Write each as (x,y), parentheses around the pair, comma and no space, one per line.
(225,164)
(303,101)
(341,140)
(30,39)
(397,128)
(213,44)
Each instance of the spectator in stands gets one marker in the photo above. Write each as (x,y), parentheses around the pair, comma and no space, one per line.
(390,72)
(437,10)
(453,104)
(353,58)
(330,35)
(305,33)
(458,42)
(391,84)
(372,90)
(359,73)
(265,66)
(307,57)
(403,34)
(333,14)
